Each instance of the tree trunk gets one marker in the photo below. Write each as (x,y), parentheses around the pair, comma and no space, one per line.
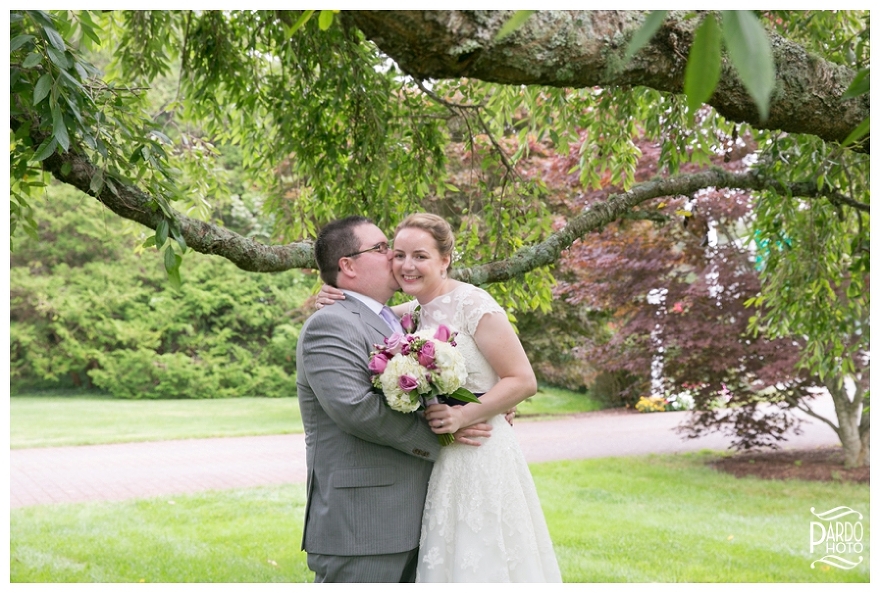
(864,456)
(853,435)
(578,49)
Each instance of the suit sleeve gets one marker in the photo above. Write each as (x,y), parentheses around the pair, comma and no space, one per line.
(335,358)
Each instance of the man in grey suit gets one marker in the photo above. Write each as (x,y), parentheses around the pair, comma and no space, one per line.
(368,466)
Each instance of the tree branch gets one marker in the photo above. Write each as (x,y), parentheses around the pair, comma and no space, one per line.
(579,49)
(441,101)
(461,110)
(131,203)
(795,403)
(617,206)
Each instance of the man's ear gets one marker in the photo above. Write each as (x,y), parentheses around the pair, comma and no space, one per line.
(346,267)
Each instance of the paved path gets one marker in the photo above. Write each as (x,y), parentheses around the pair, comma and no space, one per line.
(141,470)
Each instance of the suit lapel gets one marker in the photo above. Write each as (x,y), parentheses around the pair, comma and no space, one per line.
(366,316)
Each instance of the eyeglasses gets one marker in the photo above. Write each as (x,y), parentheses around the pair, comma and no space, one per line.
(382,247)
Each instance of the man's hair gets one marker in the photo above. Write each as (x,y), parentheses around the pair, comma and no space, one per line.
(335,241)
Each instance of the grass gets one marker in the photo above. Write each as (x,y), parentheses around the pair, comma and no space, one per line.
(674,519)
(639,519)
(76,417)
(554,401)
(73,417)
(248,535)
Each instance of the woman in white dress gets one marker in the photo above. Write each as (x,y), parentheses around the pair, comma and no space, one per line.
(483,520)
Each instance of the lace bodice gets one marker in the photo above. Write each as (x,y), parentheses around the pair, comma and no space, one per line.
(461,310)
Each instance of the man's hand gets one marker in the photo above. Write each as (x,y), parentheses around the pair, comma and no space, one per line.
(466,435)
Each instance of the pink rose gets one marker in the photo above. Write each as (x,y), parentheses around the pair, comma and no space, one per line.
(408,323)
(443,334)
(407,383)
(426,355)
(394,343)
(378,363)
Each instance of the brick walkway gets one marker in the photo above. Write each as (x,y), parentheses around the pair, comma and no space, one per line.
(141,470)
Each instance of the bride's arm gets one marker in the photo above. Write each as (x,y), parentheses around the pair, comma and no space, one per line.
(330,294)
(400,310)
(499,344)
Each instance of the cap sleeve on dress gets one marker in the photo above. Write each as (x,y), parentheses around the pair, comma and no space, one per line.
(477,303)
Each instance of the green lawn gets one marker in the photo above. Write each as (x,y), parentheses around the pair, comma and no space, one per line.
(554,401)
(641,519)
(73,417)
(248,535)
(675,519)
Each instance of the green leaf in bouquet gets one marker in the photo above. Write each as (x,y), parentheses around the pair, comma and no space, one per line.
(463,395)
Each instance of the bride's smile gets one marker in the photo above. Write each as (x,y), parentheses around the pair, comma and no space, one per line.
(418,266)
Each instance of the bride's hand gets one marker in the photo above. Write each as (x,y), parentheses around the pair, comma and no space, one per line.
(443,419)
(328,295)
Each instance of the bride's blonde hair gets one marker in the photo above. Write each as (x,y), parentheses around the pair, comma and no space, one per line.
(435,226)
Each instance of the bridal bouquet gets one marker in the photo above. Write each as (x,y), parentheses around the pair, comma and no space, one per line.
(413,369)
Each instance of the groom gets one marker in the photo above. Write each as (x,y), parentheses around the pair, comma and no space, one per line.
(368,466)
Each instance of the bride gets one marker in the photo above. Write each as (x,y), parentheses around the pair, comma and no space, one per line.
(482,520)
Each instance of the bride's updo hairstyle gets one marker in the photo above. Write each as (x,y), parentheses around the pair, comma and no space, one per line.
(434,226)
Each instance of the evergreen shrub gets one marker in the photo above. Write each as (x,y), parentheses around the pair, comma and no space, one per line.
(89,308)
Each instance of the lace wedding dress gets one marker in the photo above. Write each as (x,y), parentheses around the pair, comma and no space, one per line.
(483,521)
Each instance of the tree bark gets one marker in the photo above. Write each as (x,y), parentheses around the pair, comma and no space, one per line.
(597,216)
(853,437)
(132,203)
(586,48)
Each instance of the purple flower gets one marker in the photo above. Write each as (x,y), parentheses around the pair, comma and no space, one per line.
(443,334)
(407,383)
(426,355)
(394,343)
(378,362)
(408,323)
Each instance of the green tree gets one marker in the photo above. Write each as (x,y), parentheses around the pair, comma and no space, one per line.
(89,308)
(355,112)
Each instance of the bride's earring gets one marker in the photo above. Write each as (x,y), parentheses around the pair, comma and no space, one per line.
(443,274)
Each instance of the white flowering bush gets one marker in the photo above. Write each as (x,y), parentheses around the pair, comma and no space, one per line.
(680,401)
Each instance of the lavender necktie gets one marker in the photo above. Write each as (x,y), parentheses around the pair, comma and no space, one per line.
(388,315)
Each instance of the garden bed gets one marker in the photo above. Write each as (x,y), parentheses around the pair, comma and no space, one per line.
(823,464)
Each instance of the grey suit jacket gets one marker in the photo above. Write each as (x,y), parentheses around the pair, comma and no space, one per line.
(368,466)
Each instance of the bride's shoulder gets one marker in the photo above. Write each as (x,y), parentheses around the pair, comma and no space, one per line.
(466,290)
(476,301)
